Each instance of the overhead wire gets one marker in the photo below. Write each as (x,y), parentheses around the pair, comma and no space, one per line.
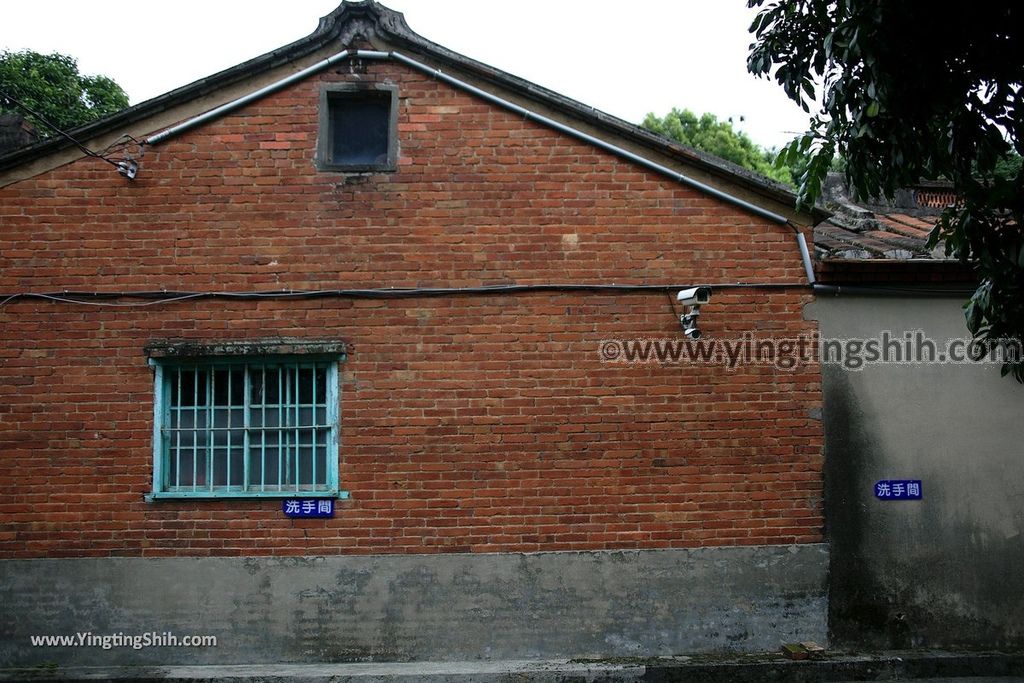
(24,107)
(156,297)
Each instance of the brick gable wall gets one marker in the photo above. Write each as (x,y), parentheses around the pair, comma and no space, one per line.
(470,423)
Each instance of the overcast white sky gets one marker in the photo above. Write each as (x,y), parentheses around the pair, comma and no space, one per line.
(625,58)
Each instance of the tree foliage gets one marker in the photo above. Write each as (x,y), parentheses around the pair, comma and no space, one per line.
(708,134)
(51,86)
(909,90)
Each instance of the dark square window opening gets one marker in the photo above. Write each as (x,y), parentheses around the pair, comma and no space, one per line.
(358,127)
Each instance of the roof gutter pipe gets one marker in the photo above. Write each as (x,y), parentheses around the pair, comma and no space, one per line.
(483,94)
(890,291)
(262,92)
(501,102)
(597,142)
(805,256)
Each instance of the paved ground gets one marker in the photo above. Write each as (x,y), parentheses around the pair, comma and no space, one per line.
(923,667)
(960,679)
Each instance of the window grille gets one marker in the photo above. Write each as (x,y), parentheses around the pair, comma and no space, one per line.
(246,428)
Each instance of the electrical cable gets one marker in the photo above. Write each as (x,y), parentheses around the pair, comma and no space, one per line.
(152,298)
(7,96)
(109,304)
(120,143)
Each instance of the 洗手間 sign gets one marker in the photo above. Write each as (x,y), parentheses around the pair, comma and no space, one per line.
(308,507)
(898,489)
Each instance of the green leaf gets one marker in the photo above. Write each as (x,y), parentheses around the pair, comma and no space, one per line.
(51,86)
(707,133)
(952,110)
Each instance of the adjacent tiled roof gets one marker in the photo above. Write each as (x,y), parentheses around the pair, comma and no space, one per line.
(896,230)
(15,132)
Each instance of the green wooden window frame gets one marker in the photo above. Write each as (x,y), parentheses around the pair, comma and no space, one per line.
(245,428)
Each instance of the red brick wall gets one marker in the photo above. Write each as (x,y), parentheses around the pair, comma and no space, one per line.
(473,423)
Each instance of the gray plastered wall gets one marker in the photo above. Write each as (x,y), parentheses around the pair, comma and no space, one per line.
(946,570)
(418,607)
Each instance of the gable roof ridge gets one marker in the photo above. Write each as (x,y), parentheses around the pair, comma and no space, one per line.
(351,21)
(335,21)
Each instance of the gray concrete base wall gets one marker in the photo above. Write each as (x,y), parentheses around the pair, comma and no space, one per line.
(418,607)
(948,570)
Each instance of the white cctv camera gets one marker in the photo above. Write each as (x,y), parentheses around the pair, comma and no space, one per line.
(694,296)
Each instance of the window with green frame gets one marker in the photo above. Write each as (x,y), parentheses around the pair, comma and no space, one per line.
(245,427)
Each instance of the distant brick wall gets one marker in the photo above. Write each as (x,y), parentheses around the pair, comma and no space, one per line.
(472,423)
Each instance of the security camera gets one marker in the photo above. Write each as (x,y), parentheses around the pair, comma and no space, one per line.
(694,296)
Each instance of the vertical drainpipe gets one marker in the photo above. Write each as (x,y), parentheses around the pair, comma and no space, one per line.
(805,256)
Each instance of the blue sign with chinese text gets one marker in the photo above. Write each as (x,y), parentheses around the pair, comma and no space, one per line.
(898,489)
(308,507)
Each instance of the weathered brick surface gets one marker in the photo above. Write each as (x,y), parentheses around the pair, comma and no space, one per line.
(471,423)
